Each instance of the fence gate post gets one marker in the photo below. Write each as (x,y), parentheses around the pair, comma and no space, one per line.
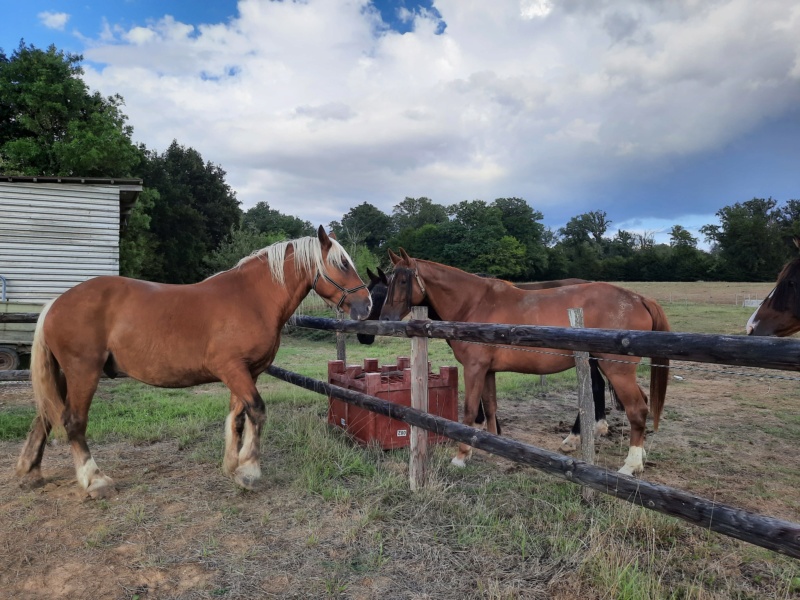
(585,400)
(341,348)
(418,461)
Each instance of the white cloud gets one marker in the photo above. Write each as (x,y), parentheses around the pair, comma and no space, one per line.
(53,20)
(315,107)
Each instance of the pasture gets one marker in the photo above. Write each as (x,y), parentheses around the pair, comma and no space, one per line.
(333,520)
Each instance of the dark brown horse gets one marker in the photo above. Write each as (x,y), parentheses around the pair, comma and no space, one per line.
(226,328)
(459,296)
(779,313)
(378,286)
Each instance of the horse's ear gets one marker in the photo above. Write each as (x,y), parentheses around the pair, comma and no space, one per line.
(371,275)
(383,277)
(393,257)
(332,235)
(324,240)
(404,254)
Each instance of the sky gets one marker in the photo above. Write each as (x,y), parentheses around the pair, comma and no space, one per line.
(659,113)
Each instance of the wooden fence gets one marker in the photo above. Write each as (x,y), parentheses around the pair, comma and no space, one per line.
(772,353)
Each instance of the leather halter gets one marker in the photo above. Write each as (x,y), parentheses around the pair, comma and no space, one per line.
(345,292)
(409,291)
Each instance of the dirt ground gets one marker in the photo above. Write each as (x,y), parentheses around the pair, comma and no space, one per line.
(179,529)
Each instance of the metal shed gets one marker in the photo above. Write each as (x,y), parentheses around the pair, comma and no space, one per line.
(55,232)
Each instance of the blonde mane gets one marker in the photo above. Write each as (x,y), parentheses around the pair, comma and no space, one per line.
(307,256)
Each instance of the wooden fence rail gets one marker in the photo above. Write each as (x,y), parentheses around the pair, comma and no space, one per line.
(767,532)
(764,352)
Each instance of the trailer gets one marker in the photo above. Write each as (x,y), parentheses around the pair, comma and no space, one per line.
(55,232)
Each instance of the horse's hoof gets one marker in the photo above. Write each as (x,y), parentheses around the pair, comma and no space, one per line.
(601,427)
(570,443)
(458,462)
(31,481)
(102,488)
(247,476)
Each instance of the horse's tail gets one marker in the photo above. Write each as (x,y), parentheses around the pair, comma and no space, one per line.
(50,401)
(659,367)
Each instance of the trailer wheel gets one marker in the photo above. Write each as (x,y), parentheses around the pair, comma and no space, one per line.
(9,359)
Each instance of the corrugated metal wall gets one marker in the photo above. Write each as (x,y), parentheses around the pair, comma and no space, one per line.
(56,235)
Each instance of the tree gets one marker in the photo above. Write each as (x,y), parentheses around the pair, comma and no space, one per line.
(583,243)
(747,242)
(50,124)
(194,213)
(414,213)
(267,220)
(242,242)
(475,240)
(679,236)
(364,224)
(520,221)
(137,244)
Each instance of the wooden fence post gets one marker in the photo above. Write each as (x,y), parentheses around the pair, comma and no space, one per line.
(585,400)
(418,460)
(341,347)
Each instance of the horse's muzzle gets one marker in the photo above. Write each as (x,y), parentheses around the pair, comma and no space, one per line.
(359,311)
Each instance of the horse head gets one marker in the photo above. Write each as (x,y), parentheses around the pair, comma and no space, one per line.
(779,314)
(377,287)
(338,282)
(406,288)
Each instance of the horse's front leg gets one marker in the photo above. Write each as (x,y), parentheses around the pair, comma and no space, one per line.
(243,431)
(474,381)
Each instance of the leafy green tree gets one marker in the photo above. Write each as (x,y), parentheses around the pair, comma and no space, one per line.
(414,213)
(267,220)
(583,243)
(137,244)
(363,260)
(242,242)
(50,123)
(364,224)
(521,221)
(194,213)
(474,237)
(623,244)
(747,242)
(679,237)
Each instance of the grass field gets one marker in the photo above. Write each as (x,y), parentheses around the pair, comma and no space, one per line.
(335,520)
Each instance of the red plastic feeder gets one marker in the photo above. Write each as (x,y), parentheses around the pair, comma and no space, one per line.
(392,383)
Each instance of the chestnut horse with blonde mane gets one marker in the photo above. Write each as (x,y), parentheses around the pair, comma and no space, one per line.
(459,296)
(225,328)
(779,313)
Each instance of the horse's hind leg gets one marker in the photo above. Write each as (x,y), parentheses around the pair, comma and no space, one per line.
(234,426)
(29,464)
(634,400)
(80,391)
(474,383)
(573,440)
(243,431)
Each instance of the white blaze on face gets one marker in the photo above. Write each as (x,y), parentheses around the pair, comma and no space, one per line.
(752,323)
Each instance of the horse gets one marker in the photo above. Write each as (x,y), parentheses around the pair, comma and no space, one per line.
(225,328)
(460,296)
(779,313)
(378,286)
